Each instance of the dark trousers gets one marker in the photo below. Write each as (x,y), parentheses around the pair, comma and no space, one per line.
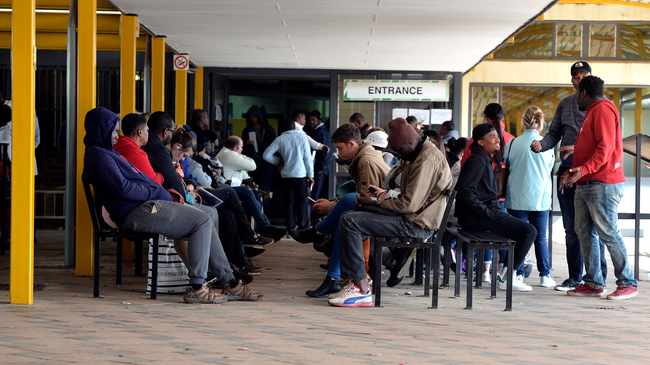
(505,225)
(573,255)
(232,203)
(252,205)
(355,226)
(320,186)
(296,191)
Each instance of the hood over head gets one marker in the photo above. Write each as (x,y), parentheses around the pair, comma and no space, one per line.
(100,123)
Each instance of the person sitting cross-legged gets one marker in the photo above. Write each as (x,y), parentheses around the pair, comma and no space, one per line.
(136,203)
(367,169)
(415,212)
(477,202)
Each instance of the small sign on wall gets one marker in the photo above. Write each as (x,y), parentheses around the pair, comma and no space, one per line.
(181,62)
(396,90)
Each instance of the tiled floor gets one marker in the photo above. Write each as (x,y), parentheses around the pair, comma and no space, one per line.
(66,325)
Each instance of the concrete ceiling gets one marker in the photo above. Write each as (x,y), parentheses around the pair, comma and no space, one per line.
(424,35)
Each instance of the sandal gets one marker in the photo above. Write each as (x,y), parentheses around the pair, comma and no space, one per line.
(204,295)
(242,292)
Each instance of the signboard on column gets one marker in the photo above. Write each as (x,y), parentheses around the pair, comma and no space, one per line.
(181,62)
(396,90)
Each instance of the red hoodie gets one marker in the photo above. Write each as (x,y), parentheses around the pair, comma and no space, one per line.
(599,148)
(136,156)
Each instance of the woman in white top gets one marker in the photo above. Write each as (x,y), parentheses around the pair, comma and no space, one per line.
(235,165)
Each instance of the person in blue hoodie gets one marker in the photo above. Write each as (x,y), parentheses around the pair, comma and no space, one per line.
(135,203)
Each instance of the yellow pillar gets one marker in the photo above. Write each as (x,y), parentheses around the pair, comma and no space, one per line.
(181,97)
(198,88)
(23,47)
(128,34)
(86,95)
(157,74)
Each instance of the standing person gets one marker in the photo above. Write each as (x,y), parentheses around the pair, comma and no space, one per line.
(299,121)
(200,125)
(323,161)
(297,172)
(257,136)
(565,126)
(448,131)
(597,169)
(477,205)
(529,189)
(360,121)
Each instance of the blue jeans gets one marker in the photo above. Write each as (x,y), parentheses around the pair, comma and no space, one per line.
(252,205)
(596,208)
(566,197)
(330,225)
(539,219)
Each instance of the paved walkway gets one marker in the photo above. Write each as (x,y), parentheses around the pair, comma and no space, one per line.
(66,325)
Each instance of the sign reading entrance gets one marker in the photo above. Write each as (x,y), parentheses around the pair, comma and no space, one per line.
(181,62)
(396,90)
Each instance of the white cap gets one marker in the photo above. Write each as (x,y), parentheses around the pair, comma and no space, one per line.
(377,139)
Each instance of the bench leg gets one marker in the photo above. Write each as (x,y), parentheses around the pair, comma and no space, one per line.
(511,264)
(97,253)
(118,258)
(376,277)
(154,268)
(470,272)
(459,265)
(447,265)
(435,254)
(419,263)
(138,247)
(427,270)
(495,268)
(480,266)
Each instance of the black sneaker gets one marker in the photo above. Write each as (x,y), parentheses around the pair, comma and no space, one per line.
(260,241)
(252,251)
(568,284)
(329,286)
(307,235)
(272,231)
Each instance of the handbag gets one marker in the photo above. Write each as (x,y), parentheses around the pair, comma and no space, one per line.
(172,274)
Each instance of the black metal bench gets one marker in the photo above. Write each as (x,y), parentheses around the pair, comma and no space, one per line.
(431,247)
(482,241)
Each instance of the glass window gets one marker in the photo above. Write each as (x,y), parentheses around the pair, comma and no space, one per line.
(534,41)
(569,40)
(634,42)
(482,96)
(602,40)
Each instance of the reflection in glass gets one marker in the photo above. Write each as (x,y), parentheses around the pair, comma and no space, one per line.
(602,40)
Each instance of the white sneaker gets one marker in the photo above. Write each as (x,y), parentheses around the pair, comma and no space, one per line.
(487,278)
(352,296)
(547,281)
(517,284)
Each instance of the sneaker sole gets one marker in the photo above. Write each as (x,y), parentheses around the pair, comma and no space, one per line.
(355,305)
(563,289)
(580,295)
(623,297)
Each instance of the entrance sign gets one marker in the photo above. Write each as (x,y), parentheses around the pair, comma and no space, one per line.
(396,90)
(181,62)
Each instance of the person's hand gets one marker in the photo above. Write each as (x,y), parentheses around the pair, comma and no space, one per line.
(323,206)
(570,177)
(177,153)
(310,183)
(536,146)
(566,151)
(376,191)
(363,200)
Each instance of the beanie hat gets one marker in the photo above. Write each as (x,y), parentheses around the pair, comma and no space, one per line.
(481,130)
(377,139)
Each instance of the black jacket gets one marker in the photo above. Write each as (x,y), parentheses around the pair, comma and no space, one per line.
(161,161)
(477,198)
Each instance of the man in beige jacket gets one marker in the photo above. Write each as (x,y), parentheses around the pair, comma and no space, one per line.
(367,168)
(416,212)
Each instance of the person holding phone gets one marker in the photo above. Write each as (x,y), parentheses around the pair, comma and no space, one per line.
(368,169)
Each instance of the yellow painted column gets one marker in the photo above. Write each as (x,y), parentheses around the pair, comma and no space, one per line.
(128,34)
(23,48)
(181,97)
(86,98)
(157,74)
(198,88)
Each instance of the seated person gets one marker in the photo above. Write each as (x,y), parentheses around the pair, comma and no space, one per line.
(135,135)
(136,203)
(367,169)
(416,212)
(477,202)
(235,165)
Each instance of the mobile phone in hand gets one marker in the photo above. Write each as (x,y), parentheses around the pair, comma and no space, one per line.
(311,199)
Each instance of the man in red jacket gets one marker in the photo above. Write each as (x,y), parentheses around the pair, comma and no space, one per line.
(597,170)
(136,135)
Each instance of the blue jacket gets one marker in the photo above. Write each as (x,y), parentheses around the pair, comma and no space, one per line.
(295,154)
(119,187)
(323,160)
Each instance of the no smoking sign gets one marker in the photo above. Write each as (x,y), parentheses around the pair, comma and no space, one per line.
(181,62)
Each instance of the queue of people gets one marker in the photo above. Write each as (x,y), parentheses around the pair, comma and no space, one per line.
(187,184)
